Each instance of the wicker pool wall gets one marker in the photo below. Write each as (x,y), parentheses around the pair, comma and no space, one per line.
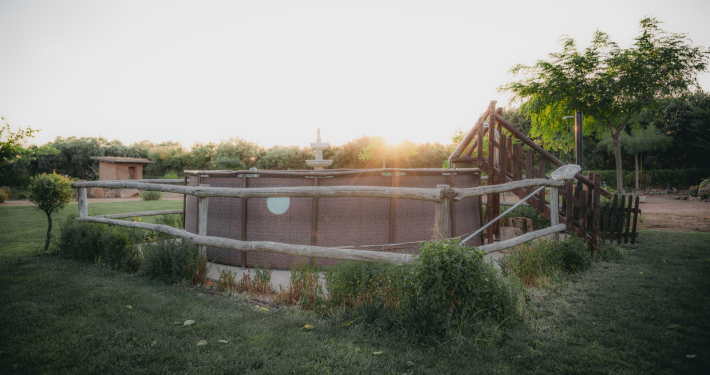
(357,223)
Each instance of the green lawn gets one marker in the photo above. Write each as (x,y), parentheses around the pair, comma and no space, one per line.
(642,315)
(23,229)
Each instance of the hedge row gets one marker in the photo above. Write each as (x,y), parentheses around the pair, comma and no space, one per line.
(662,178)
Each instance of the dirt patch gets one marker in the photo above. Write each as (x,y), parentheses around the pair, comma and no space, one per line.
(664,212)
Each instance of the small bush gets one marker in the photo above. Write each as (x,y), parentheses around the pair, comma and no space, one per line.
(118,250)
(539,221)
(171,261)
(79,240)
(151,195)
(541,263)
(455,288)
(173,220)
(693,192)
(171,175)
(108,245)
(3,196)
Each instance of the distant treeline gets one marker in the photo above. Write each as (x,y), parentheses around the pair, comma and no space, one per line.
(686,120)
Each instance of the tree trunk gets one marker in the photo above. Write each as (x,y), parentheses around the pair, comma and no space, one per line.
(49,232)
(616,140)
(636,159)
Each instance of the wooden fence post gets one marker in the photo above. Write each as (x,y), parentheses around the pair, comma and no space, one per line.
(82,202)
(441,221)
(202,229)
(554,209)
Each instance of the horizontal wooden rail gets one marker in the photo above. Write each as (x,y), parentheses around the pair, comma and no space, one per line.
(271,247)
(520,239)
(334,172)
(432,195)
(492,189)
(160,180)
(145,213)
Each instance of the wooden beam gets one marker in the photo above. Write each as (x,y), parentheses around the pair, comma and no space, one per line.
(521,239)
(554,207)
(145,213)
(441,218)
(462,193)
(431,195)
(271,247)
(82,203)
(203,212)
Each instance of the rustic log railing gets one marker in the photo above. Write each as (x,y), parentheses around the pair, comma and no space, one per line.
(505,162)
(442,196)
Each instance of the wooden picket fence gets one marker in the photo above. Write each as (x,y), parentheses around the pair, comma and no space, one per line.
(619,214)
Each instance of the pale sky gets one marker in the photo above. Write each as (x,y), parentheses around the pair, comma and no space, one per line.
(274,71)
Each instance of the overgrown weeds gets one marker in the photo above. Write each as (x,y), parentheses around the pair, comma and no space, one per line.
(259,284)
(541,263)
(304,288)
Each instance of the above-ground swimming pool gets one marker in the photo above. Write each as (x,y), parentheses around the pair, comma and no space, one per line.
(352,222)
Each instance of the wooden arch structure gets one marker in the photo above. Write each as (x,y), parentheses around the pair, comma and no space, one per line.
(505,161)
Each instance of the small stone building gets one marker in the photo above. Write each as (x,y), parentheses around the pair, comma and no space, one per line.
(118,168)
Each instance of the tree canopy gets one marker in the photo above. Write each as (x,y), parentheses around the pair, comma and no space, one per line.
(608,83)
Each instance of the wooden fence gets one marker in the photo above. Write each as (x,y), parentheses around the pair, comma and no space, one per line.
(617,219)
(442,196)
(504,161)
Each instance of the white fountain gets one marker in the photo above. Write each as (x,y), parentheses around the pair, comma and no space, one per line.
(319,146)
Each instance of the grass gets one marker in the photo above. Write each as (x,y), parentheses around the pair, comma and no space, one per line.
(23,228)
(640,315)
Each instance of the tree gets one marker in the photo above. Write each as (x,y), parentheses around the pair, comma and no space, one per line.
(608,83)
(14,156)
(51,193)
(380,149)
(642,140)
(285,158)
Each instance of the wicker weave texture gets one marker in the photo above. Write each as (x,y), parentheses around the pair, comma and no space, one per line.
(349,222)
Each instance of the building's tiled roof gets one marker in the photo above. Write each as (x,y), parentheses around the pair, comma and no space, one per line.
(120,159)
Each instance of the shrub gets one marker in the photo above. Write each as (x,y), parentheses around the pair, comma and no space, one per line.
(455,287)
(171,175)
(118,250)
(50,192)
(171,261)
(147,195)
(108,245)
(79,240)
(173,220)
(541,263)
(693,192)
(3,196)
